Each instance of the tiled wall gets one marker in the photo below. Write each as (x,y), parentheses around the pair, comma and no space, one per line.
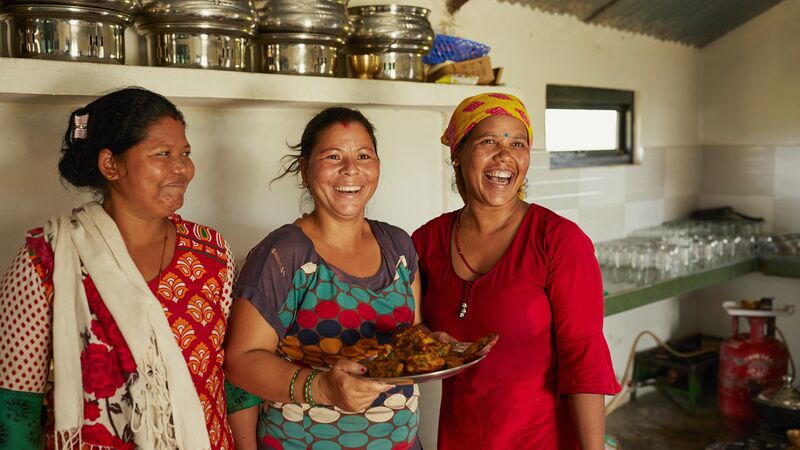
(609,202)
(762,181)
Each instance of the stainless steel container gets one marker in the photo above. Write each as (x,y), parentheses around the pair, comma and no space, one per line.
(302,37)
(391,24)
(401,35)
(305,16)
(78,30)
(207,34)
(300,53)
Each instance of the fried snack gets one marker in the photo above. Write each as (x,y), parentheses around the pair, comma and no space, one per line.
(453,359)
(473,352)
(428,361)
(413,352)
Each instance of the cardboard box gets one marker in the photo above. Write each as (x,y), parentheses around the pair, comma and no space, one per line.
(480,67)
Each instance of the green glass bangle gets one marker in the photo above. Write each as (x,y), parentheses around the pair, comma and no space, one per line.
(307,388)
(291,385)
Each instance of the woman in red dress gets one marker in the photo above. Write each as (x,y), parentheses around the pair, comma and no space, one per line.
(502,265)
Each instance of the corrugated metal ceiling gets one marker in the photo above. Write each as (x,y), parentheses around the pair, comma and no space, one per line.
(692,22)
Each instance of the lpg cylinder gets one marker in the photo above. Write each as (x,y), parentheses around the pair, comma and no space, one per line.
(748,363)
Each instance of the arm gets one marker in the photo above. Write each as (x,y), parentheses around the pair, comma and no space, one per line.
(574,287)
(588,413)
(26,315)
(251,354)
(243,427)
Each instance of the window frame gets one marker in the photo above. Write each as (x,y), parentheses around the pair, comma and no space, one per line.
(580,97)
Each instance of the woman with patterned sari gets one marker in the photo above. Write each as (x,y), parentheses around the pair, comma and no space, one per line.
(113,316)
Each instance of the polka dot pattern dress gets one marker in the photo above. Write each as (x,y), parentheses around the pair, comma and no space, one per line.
(325,316)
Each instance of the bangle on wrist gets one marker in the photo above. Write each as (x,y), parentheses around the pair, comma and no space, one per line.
(307,388)
(291,385)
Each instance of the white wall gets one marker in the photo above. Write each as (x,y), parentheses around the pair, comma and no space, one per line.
(751,118)
(751,159)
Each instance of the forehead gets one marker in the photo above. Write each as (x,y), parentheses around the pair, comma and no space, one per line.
(501,125)
(340,133)
(166,128)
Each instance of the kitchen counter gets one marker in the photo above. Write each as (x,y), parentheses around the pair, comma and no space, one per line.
(621,297)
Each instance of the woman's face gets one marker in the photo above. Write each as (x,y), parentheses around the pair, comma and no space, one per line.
(342,170)
(152,176)
(494,160)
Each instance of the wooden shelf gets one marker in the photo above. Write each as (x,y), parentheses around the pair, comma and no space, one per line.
(49,81)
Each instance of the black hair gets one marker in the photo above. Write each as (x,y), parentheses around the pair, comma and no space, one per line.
(318,124)
(116,121)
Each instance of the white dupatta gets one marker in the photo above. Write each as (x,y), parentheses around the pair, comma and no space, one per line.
(167,413)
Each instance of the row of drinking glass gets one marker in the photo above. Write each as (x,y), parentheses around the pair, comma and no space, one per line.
(678,248)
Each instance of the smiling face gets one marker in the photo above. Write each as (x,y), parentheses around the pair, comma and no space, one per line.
(150,178)
(342,170)
(494,160)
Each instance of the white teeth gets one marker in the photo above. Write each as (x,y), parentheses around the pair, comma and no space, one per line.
(347,189)
(499,173)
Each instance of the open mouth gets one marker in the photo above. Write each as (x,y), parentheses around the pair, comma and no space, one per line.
(348,190)
(499,177)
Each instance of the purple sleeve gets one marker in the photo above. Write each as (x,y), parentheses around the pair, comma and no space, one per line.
(267,275)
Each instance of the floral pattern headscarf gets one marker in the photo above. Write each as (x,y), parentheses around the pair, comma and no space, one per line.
(474,109)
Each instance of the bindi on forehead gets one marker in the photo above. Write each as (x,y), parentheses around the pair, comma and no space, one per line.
(345,124)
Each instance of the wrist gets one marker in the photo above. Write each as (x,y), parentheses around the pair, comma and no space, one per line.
(320,387)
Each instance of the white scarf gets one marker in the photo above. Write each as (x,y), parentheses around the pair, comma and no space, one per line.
(163,418)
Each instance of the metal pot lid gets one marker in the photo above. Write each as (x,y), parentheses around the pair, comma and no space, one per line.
(66,12)
(124,6)
(301,38)
(225,15)
(388,9)
(785,396)
(308,16)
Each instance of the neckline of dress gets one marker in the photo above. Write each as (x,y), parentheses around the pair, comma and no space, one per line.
(499,262)
(359,281)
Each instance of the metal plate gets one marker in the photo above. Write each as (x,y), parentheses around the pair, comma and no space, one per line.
(430,376)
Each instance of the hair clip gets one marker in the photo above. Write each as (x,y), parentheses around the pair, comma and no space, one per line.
(81,124)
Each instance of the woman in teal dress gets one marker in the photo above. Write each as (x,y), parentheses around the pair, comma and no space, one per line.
(321,292)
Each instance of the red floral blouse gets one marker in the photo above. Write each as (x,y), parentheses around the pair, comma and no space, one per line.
(194,291)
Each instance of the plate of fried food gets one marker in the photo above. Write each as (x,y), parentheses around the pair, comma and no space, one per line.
(413,357)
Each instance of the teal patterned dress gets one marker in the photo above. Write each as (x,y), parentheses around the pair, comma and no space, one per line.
(321,315)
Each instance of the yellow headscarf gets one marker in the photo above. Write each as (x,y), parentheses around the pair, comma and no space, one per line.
(476,108)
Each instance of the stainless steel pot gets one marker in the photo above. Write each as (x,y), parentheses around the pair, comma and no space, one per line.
(391,24)
(130,7)
(199,33)
(399,61)
(779,407)
(68,32)
(305,16)
(300,53)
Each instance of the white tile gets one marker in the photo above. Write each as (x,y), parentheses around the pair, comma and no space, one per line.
(645,181)
(601,185)
(679,207)
(755,206)
(682,171)
(643,214)
(787,215)
(787,172)
(602,222)
(738,171)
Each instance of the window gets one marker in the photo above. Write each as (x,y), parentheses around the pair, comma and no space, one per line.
(588,126)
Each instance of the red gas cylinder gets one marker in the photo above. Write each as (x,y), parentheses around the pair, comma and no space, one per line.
(748,363)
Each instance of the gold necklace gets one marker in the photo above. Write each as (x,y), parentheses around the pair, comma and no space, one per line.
(458,246)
